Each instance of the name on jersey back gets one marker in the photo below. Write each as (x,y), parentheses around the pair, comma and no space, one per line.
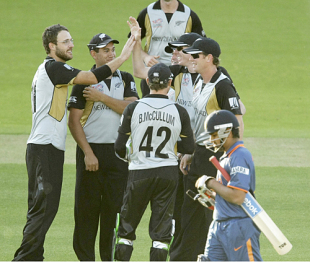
(157,116)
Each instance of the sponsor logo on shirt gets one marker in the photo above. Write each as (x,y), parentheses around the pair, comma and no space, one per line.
(185,103)
(185,81)
(117,85)
(178,23)
(164,39)
(158,22)
(68,67)
(98,87)
(200,112)
(240,170)
(101,106)
(233,102)
(133,87)
(72,99)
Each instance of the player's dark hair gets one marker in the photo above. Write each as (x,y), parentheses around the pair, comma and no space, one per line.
(157,87)
(50,36)
(216,60)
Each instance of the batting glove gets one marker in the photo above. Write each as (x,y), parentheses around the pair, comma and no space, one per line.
(202,182)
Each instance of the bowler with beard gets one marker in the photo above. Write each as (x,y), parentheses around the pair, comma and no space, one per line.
(46,143)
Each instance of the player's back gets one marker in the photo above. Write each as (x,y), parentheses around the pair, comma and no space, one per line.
(155,128)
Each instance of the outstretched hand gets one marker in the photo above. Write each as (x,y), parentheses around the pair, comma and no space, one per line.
(134,28)
(126,52)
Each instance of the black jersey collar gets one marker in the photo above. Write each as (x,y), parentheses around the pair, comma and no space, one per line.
(216,76)
(180,7)
(49,58)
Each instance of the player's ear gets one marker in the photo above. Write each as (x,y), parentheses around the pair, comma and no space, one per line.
(209,57)
(169,82)
(147,80)
(52,46)
(93,53)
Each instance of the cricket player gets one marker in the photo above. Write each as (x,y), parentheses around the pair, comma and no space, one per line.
(46,142)
(161,22)
(232,235)
(154,123)
(213,91)
(101,176)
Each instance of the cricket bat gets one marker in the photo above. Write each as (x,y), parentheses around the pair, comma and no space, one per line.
(260,217)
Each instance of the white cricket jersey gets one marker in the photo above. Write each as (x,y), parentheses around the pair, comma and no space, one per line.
(155,128)
(164,32)
(184,89)
(204,103)
(100,122)
(49,100)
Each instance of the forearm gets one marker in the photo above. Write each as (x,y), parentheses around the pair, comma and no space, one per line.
(120,145)
(116,105)
(90,78)
(77,130)
(139,68)
(85,78)
(116,63)
(234,196)
(78,134)
(143,53)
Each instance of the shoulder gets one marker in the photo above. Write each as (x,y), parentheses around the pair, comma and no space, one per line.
(181,109)
(53,65)
(225,72)
(175,69)
(242,156)
(131,107)
(224,83)
(126,76)
(142,14)
(78,88)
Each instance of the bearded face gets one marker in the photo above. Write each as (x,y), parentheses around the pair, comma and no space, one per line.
(64,53)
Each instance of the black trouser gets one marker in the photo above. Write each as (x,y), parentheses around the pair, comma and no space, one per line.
(157,186)
(45,173)
(98,197)
(196,219)
(177,214)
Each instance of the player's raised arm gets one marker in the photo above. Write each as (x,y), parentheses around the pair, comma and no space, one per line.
(139,69)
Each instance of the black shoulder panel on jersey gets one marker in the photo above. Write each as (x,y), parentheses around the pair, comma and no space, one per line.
(60,73)
(197,25)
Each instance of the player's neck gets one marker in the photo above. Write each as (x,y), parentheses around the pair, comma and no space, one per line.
(160,92)
(57,58)
(208,73)
(229,143)
(169,7)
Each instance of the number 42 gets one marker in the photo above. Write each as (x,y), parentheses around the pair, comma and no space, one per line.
(146,142)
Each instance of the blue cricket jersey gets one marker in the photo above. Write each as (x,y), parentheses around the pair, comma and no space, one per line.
(238,163)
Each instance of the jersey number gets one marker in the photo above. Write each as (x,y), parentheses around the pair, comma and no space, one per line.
(147,147)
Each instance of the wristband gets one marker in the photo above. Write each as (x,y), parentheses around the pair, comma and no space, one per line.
(102,72)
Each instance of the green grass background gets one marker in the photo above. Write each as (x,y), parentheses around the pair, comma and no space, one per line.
(266,49)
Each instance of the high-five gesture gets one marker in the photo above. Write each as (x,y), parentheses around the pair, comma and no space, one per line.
(134,28)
